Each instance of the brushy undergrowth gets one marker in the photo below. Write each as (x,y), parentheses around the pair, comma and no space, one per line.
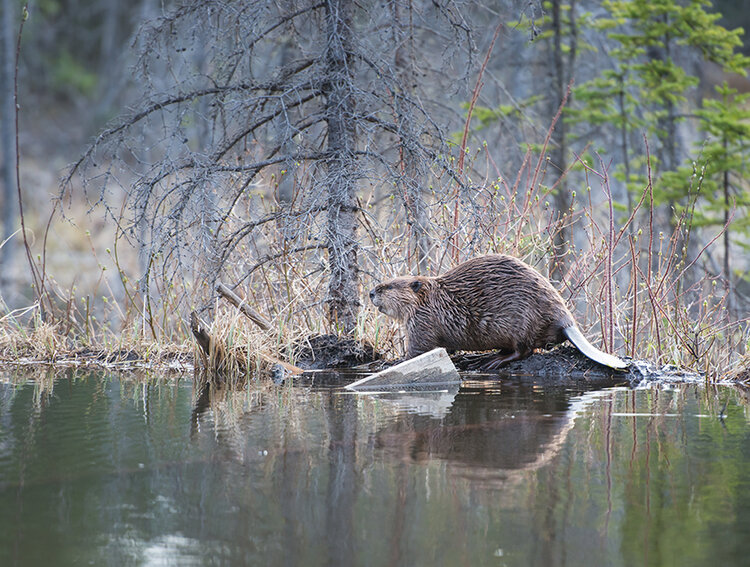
(634,287)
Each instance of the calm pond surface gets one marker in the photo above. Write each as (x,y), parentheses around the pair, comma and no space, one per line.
(101,470)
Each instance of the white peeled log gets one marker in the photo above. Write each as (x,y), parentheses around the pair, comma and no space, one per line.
(428,369)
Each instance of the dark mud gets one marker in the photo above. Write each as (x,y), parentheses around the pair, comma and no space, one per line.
(566,362)
(329,351)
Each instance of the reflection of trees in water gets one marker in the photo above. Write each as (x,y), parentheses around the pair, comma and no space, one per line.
(353,452)
(518,465)
(341,415)
(273,475)
(304,448)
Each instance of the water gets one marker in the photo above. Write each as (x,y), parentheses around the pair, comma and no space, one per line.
(98,470)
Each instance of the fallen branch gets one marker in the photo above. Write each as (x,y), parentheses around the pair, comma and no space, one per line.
(240,304)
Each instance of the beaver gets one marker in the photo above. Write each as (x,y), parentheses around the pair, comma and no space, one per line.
(494,302)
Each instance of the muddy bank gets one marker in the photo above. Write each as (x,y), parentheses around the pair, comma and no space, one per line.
(563,363)
(349,360)
(566,361)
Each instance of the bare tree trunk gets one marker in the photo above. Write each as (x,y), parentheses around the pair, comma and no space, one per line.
(416,213)
(343,293)
(412,194)
(285,133)
(624,135)
(7,142)
(562,71)
(110,73)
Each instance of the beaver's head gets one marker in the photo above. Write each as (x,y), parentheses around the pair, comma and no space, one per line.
(400,297)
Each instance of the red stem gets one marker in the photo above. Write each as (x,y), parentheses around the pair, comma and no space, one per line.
(34,272)
(475,95)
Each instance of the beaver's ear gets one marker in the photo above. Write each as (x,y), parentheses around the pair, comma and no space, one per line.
(416,285)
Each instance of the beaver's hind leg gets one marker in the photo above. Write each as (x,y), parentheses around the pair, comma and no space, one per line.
(504,358)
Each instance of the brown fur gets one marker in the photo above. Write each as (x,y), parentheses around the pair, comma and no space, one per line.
(489,302)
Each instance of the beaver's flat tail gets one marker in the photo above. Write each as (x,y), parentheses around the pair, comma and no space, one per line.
(581,343)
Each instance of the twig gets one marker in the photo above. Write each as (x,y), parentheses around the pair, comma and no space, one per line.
(475,95)
(34,272)
(649,267)
(609,342)
(634,291)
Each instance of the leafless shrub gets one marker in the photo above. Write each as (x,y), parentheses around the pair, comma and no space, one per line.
(263,130)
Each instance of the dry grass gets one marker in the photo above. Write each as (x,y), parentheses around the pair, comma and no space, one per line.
(632,286)
(40,341)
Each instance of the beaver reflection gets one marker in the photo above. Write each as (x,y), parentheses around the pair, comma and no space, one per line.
(511,426)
